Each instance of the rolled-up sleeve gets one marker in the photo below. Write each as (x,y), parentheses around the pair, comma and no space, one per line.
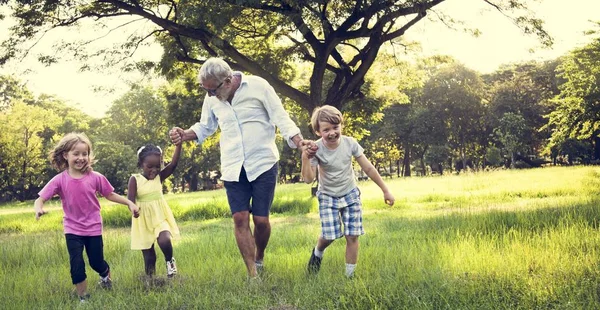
(207,125)
(279,116)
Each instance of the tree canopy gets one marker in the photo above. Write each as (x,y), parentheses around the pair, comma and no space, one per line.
(339,39)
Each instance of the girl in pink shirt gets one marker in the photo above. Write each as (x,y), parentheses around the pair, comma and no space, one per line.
(77,186)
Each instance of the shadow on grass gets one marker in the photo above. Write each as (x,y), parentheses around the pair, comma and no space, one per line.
(120,217)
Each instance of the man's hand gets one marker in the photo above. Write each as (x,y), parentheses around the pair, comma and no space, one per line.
(309,147)
(176,135)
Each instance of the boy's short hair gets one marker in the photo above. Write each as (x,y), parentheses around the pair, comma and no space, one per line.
(328,114)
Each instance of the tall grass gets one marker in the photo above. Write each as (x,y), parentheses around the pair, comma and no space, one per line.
(499,240)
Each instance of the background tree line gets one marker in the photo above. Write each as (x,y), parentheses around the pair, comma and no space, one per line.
(433,115)
(413,118)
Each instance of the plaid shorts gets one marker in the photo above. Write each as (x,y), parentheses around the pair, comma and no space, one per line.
(335,210)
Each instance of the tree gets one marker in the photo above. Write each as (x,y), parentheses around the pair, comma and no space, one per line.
(524,89)
(577,111)
(72,119)
(137,118)
(339,39)
(509,132)
(116,162)
(22,149)
(11,91)
(456,92)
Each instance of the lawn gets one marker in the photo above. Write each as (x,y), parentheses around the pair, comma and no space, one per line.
(522,239)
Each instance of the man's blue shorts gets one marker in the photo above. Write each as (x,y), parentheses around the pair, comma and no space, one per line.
(261,191)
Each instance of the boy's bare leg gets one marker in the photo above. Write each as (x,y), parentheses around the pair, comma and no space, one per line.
(245,241)
(81,288)
(322,244)
(351,249)
(262,233)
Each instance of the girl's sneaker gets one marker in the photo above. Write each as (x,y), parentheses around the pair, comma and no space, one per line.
(171,268)
(105,282)
(84,298)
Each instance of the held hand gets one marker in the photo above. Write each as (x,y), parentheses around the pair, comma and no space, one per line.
(38,213)
(389,198)
(309,148)
(135,211)
(176,135)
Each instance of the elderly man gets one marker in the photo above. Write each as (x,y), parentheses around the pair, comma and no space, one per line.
(246,108)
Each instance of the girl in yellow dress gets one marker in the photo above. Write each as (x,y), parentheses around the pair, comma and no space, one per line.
(156,221)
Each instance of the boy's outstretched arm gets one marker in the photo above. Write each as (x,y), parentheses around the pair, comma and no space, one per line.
(38,206)
(308,171)
(114,197)
(170,168)
(370,170)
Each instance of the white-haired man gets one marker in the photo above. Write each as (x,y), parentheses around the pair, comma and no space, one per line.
(247,109)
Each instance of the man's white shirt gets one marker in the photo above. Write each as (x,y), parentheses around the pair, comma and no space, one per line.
(247,128)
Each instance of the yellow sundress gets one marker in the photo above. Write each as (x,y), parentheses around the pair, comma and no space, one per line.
(155,214)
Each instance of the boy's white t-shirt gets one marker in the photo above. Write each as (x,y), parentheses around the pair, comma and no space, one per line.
(336,176)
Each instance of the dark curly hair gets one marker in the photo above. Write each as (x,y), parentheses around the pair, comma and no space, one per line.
(147,150)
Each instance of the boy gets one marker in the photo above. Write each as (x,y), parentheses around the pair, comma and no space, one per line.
(339,198)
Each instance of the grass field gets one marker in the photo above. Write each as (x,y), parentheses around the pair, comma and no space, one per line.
(523,239)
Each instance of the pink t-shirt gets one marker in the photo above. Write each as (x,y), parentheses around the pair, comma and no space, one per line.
(79,201)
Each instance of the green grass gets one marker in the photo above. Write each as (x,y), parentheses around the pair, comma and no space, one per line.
(499,240)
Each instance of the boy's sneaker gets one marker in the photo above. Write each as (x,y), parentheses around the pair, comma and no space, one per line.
(105,282)
(314,264)
(171,268)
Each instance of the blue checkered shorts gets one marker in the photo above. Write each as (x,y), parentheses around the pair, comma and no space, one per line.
(335,210)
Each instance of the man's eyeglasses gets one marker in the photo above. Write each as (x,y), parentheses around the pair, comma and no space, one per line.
(213,92)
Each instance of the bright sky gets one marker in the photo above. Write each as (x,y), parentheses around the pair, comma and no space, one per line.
(499,43)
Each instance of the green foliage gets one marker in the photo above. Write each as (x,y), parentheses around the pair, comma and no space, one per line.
(494,157)
(575,151)
(116,161)
(338,41)
(11,91)
(455,94)
(577,111)
(24,145)
(137,118)
(510,131)
(524,89)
